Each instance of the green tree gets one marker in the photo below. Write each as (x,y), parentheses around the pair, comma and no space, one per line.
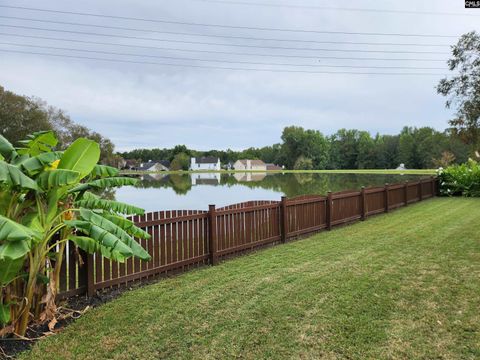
(181,161)
(310,144)
(463,88)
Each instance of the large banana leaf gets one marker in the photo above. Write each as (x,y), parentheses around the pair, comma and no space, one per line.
(93,202)
(98,220)
(13,176)
(85,243)
(127,225)
(13,250)
(102,171)
(81,156)
(9,270)
(6,148)
(57,178)
(105,183)
(34,165)
(37,143)
(12,231)
(102,236)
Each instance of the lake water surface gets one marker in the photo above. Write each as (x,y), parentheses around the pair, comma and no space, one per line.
(196,191)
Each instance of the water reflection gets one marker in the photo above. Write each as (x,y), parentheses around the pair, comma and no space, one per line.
(197,191)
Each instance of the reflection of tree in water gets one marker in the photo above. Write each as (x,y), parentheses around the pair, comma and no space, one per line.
(292,184)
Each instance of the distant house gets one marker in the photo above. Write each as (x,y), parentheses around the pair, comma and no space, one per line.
(162,165)
(205,179)
(131,164)
(401,167)
(256,165)
(205,163)
(273,167)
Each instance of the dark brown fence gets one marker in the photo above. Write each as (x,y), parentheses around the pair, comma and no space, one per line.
(185,239)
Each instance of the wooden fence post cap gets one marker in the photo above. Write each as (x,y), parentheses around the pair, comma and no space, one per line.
(211,206)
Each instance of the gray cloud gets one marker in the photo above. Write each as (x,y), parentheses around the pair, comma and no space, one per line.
(155,106)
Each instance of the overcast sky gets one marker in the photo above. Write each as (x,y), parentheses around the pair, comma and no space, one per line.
(151,105)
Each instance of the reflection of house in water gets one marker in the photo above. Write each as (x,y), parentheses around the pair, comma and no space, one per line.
(153,177)
(206,179)
(249,176)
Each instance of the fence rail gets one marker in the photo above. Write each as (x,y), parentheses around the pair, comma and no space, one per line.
(181,239)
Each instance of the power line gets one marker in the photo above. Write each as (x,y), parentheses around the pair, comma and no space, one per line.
(216,35)
(233,45)
(219,52)
(223,61)
(258,28)
(316,7)
(217,67)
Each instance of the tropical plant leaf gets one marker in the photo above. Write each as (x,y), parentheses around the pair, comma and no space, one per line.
(81,156)
(85,243)
(4,314)
(11,175)
(12,231)
(9,270)
(6,148)
(105,183)
(37,143)
(93,202)
(57,178)
(13,250)
(100,221)
(127,225)
(34,165)
(102,236)
(102,171)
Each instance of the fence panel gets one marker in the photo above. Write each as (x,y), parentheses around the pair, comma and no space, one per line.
(305,214)
(346,207)
(396,196)
(374,200)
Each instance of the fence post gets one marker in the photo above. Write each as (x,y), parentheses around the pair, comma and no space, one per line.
(212,235)
(329,210)
(405,194)
(90,275)
(387,187)
(420,190)
(432,185)
(363,203)
(283,219)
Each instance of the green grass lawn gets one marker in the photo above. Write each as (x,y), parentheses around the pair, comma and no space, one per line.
(403,285)
(357,171)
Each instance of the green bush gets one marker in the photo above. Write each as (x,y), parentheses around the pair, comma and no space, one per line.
(461,179)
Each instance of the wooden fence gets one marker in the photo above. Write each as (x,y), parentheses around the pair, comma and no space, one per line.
(184,239)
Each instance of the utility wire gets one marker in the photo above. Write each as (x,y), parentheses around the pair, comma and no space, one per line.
(224,61)
(216,35)
(217,67)
(316,7)
(217,52)
(258,28)
(218,44)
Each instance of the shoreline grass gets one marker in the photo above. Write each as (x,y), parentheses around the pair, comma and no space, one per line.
(400,285)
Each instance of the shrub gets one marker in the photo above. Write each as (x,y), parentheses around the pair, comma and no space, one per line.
(461,179)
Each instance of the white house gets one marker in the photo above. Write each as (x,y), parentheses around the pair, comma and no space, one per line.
(205,179)
(255,165)
(205,163)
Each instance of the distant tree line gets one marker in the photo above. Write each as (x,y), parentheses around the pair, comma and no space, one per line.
(22,115)
(305,149)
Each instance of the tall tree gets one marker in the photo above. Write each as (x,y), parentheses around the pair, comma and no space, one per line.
(463,89)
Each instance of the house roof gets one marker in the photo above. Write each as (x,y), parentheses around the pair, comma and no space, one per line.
(273,167)
(151,164)
(253,162)
(206,160)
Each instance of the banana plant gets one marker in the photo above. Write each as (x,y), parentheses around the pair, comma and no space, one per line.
(48,198)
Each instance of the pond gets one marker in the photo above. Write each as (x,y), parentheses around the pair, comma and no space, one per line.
(196,191)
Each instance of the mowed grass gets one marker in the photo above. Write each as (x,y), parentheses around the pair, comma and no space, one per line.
(404,285)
